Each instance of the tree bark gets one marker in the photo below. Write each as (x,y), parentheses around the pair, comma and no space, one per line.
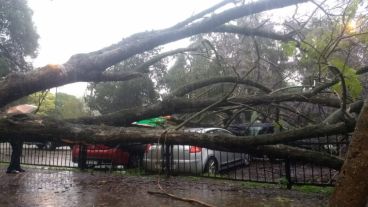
(84,67)
(352,185)
(41,129)
(182,105)
(226,79)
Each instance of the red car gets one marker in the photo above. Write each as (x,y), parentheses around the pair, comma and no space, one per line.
(118,155)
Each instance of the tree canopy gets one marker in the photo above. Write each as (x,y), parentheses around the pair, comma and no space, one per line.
(18,36)
(112,96)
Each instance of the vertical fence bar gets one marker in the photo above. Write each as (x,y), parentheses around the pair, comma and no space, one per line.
(288,173)
(82,161)
(167,160)
(171,158)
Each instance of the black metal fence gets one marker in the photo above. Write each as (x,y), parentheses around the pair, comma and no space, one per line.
(179,159)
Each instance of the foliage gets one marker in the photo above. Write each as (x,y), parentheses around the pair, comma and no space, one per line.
(328,38)
(313,189)
(110,97)
(18,36)
(289,48)
(248,57)
(300,188)
(353,84)
(190,68)
(44,100)
(68,106)
(113,96)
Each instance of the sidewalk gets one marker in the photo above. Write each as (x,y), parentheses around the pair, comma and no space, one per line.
(59,188)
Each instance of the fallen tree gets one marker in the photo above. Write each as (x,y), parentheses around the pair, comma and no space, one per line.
(40,129)
(351,189)
(111,128)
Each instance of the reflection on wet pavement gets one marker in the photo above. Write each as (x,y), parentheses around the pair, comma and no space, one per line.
(49,188)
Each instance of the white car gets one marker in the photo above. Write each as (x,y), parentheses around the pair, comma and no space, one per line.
(193,159)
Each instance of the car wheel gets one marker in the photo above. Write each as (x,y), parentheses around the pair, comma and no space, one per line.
(49,146)
(211,166)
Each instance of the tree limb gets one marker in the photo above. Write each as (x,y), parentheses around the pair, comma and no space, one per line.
(96,62)
(181,105)
(40,129)
(227,79)
(143,68)
(253,32)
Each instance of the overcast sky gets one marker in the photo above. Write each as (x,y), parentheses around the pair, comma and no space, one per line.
(67,27)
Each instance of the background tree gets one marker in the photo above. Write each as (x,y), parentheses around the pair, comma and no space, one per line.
(18,36)
(45,102)
(112,96)
(69,106)
(62,105)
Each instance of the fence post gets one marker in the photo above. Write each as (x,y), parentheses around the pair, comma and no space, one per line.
(288,173)
(167,160)
(82,161)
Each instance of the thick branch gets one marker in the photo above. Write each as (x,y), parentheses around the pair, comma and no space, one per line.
(36,128)
(252,32)
(144,66)
(181,105)
(201,14)
(112,76)
(228,79)
(292,97)
(362,70)
(96,62)
(299,154)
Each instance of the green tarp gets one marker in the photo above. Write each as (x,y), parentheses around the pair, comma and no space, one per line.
(154,122)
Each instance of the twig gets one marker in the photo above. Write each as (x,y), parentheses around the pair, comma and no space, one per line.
(163,191)
(295,111)
(41,99)
(181,198)
(202,111)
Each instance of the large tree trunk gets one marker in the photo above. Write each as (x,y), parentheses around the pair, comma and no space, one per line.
(40,129)
(352,185)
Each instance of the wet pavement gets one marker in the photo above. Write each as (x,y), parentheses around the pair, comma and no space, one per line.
(49,188)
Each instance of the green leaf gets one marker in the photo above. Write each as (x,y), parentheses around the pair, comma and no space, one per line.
(351,9)
(288,48)
(353,84)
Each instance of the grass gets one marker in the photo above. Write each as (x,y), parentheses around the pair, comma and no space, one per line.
(250,184)
(314,189)
(300,188)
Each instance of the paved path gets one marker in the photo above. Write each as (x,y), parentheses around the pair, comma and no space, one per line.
(49,188)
